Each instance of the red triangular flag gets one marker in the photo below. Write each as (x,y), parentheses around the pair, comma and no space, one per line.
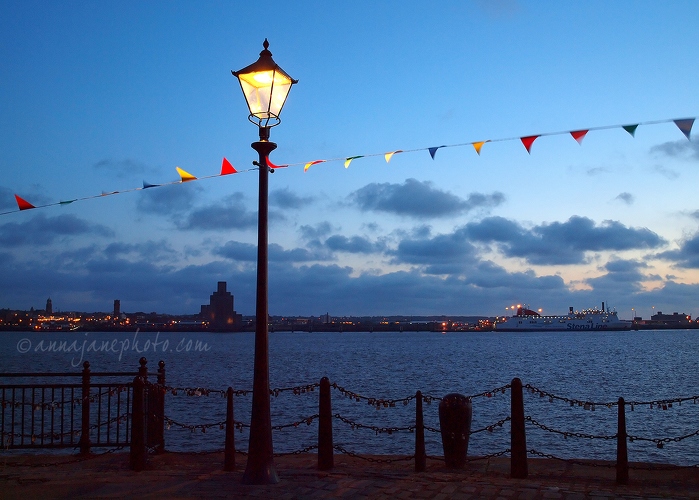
(528,141)
(272,165)
(23,204)
(579,135)
(227,168)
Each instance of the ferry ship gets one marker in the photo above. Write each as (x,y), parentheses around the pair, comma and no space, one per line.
(587,319)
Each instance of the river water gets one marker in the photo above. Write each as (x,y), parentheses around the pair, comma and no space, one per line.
(568,370)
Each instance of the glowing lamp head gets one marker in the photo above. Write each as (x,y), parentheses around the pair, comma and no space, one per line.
(265,87)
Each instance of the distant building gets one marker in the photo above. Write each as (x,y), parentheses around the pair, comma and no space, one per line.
(673,319)
(49,307)
(220,312)
(117,308)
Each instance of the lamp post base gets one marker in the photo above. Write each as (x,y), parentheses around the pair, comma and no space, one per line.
(267,474)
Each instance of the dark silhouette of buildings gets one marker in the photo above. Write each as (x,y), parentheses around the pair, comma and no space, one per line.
(49,307)
(219,312)
(117,308)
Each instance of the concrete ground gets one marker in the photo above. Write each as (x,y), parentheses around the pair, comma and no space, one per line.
(192,475)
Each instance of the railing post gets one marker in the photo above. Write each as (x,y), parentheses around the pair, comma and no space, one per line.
(622,456)
(158,412)
(325,427)
(229,453)
(518,440)
(138,426)
(420,455)
(85,420)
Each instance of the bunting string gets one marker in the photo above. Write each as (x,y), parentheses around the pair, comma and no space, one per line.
(684,125)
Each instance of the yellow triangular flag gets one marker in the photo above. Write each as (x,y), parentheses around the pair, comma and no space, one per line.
(478,145)
(186,176)
(388,156)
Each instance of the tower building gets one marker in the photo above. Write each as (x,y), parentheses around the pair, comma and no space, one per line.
(220,312)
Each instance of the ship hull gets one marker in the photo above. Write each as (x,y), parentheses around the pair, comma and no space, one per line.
(595,322)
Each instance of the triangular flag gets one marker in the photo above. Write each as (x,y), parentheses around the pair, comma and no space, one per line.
(433,150)
(108,193)
(272,165)
(685,125)
(146,185)
(388,156)
(185,176)
(308,165)
(227,168)
(528,141)
(23,204)
(631,129)
(67,202)
(349,160)
(579,135)
(478,145)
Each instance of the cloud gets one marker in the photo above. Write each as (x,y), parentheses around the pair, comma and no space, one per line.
(666,172)
(7,199)
(124,168)
(625,198)
(34,195)
(168,200)
(247,252)
(419,200)
(441,254)
(560,243)
(687,256)
(688,150)
(315,232)
(622,277)
(43,230)
(593,171)
(285,198)
(149,250)
(229,213)
(355,244)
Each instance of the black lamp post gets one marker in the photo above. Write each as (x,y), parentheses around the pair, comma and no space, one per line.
(266,87)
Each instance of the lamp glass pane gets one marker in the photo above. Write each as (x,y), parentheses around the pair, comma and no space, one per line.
(265,92)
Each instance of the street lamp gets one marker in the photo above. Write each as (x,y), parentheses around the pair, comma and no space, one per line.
(265,87)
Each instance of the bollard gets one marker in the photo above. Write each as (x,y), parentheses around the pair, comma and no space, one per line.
(229,454)
(326,460)
(518,440)
(455,422)
(420,455)
(138,426)
(157,412)
(85,424)
(622,456)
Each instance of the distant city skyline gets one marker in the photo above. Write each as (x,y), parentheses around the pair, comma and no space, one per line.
(109,96)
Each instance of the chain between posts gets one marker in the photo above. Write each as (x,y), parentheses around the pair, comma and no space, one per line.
(663,404)
(373,459)
(571,461)
(567,434)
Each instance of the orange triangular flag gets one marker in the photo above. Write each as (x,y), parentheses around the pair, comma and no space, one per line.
(388,156)
(478,145)
(227,168)
(185,176)
(528,141)
(579,135)
(23,204)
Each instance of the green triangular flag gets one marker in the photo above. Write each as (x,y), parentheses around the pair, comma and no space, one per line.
(631,129)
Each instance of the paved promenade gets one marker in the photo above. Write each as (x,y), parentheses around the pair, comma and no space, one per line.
(183,475)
